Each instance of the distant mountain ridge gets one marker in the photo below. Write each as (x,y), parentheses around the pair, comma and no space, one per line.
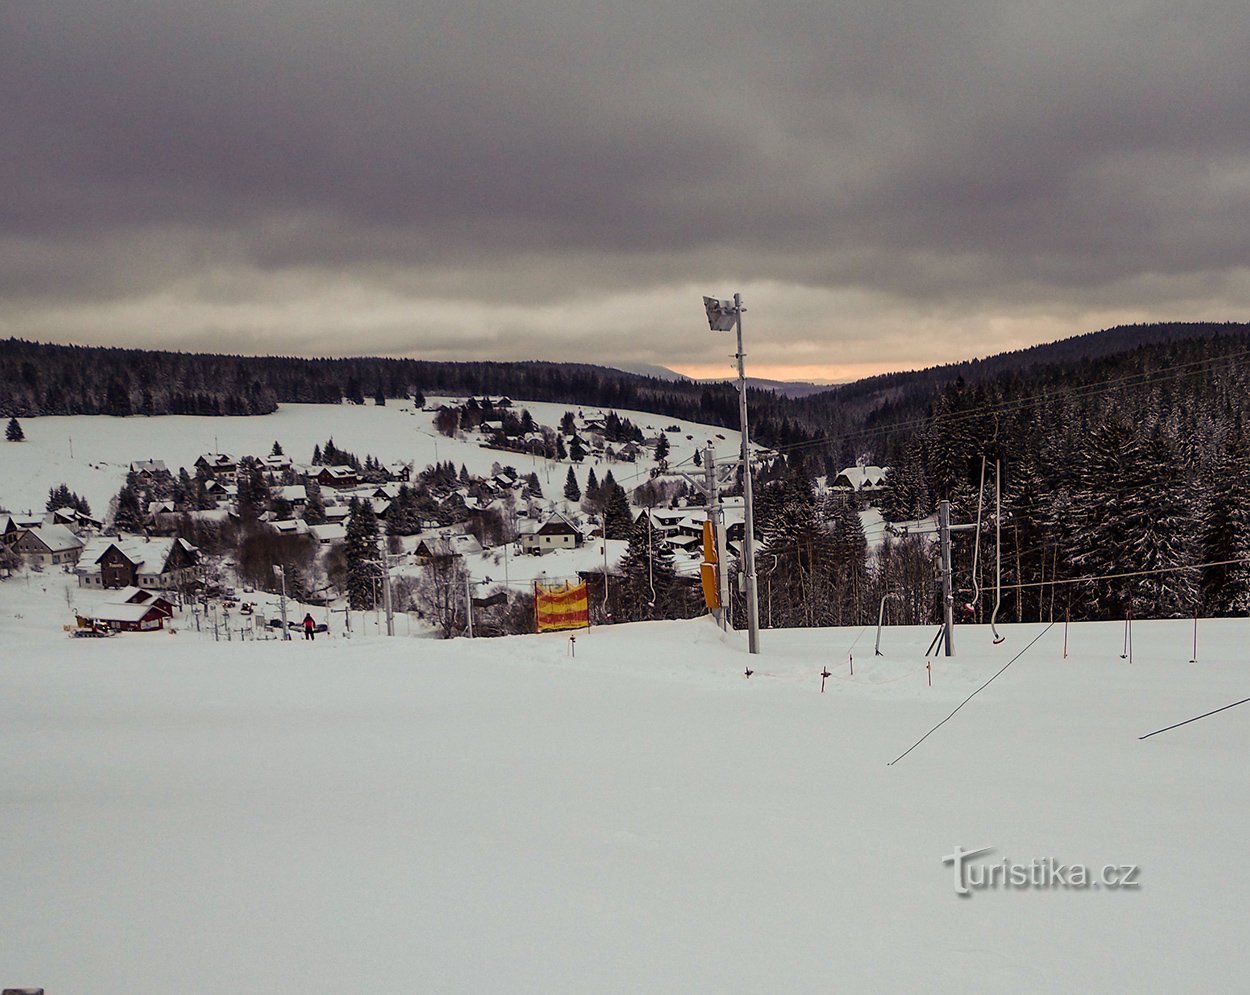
(828,421)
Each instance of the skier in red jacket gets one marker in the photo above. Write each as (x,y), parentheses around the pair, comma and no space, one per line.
(310,627)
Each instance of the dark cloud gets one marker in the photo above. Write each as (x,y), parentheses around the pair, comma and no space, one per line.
(482,179)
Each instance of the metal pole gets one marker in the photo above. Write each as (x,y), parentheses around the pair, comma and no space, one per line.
(286,632)
(716,515)
(468,598)
(748,541)
(948,597)
(386,595)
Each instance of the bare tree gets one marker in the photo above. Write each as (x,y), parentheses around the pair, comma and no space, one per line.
(440,595)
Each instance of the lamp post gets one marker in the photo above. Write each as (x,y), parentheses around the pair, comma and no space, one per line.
(721,317)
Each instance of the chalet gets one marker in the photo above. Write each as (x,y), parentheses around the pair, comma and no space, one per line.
(861,479)
(337,513)
(274,465)
(148,470)
(138,596)
(294,494)
(327,535)
(10,531)
(219,492)
(49,545)
(434,548)
(399,471)
(289,527)
(125,618)
(629,452)
(557,532)
(664,520)
(338,477)
(74,519)
(219,466)
(155,564)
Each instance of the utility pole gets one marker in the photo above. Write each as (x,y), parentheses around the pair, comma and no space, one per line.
(386,594)
(468,598)
(748,539)
(948,596)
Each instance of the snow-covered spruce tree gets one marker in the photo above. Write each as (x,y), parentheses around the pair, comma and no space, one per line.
(128,516)
(254,493)
(647,585)
(662,448)
(1131,514)
(13,432)
(850,594)
(617,516)
(577,452)
(314,505)
(906,494)
(571,491)
(1226,533)
(361,552)
(62,497)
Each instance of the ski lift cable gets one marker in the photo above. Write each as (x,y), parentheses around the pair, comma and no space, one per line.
(1031,644)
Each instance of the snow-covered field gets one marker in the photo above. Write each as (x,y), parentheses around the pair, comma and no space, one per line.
(412,815)
(104,447)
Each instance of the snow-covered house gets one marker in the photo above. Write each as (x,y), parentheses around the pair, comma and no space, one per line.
(148,470)
(338,477)
(220,466)
(399,471)
(327,535)
(557,532)
(430,548)
(294,494)
(49,545)
(73,519)
(138,596)
(860,478)
(125,617)
(155,564)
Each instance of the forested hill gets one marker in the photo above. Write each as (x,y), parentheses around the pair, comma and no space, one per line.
(861,415)
(40,379)
(876,416)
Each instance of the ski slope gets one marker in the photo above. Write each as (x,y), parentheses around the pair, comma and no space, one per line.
(495,815)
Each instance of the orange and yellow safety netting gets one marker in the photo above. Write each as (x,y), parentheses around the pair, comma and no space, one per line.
(561,606)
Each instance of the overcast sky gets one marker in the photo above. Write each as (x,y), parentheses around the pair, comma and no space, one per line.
(889,185)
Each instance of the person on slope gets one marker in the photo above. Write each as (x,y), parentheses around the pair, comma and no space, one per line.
(310,627)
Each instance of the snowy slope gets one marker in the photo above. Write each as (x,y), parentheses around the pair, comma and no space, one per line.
(412,815)
(103,447)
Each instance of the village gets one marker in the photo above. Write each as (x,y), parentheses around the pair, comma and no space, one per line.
(168,551)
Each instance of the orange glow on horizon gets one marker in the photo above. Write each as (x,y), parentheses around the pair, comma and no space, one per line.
(810,373)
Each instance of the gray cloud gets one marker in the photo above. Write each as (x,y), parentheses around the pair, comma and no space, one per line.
(891,183)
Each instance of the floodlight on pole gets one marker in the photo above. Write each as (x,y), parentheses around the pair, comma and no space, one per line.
(724,316)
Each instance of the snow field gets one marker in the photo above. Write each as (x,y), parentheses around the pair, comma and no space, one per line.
(413,815)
